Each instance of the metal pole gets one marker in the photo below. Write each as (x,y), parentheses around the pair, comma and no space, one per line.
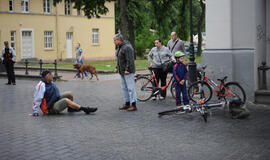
(192,65)
(26,67)
(55,68)
(40,63)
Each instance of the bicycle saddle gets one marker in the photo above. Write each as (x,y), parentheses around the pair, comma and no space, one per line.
(223,79)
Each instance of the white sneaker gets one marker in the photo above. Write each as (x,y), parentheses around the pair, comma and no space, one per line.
(161,98)
(154,98)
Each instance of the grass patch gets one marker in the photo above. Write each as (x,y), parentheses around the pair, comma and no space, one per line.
(108,65)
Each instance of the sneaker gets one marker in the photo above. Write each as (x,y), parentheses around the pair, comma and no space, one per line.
(14,83)
(124,107)
(8,83)
(154,98)
(132,108)
(72,110)
(90,109)
(161,98)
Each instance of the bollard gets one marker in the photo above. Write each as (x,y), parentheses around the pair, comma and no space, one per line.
(40,63)
(55,68)
(263,68)
(26,67)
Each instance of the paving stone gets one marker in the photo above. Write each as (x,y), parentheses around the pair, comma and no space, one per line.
(120,135)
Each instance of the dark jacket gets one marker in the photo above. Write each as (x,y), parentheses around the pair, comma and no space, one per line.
(51,94)
(125,58)
(179,72)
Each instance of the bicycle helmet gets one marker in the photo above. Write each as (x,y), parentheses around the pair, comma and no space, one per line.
(179,54)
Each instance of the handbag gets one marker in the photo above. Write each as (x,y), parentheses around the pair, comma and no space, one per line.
(167,66)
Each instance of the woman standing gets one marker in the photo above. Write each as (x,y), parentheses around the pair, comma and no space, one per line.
(156,57)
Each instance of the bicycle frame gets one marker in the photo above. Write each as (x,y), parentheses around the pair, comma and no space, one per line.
(213,85)
(153,78)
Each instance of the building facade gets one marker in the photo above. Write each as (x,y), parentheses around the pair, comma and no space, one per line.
(37,29)
(238,41)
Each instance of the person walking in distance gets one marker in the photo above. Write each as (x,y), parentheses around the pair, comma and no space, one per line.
(126,68)
(79,58)
(9,58)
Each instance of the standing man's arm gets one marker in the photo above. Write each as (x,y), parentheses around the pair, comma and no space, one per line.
(13,54)
(168,45)
(129,55)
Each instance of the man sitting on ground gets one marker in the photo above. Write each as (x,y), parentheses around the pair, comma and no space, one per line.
(48,98)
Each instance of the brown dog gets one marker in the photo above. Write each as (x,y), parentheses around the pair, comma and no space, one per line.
(85,68)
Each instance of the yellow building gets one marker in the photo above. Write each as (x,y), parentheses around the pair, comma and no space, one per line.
(37,29)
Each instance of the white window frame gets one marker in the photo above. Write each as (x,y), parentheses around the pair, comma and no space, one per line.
(95,36)
(48,39)
(68,7)
(13,39)
(11,6)
(25,6)
(46,6)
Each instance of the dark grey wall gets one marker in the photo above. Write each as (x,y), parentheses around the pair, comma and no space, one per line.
(237,64)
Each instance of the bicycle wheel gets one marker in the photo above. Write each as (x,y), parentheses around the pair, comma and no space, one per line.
(172,111)
(173,89)
(144,88)
(200,90)
(235,89)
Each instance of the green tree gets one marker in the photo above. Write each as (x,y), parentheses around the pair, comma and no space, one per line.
(91,8)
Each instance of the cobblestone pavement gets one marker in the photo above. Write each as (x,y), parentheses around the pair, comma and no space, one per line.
(110,134)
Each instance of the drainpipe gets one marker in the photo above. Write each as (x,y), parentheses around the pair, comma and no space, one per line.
(56,30)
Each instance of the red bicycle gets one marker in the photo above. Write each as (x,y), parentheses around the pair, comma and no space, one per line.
(204,87)
(146,85)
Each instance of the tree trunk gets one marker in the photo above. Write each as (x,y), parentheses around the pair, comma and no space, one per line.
(123,21)
(183,32)
(131,34)
(200,28)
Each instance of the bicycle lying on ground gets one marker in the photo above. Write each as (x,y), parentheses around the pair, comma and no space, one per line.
(202,107)
(203,89)
(146,85)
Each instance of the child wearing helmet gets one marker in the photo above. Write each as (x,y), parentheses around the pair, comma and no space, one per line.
(180,75)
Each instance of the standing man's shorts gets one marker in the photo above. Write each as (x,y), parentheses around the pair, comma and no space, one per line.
(61,104)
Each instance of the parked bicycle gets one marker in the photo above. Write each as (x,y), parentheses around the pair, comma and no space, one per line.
(202,107)
(203,89)
(146,85)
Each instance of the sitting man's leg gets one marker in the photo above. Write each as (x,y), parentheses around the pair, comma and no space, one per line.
(63,103)
(69,95)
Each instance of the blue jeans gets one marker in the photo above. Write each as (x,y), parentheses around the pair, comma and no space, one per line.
(128,88)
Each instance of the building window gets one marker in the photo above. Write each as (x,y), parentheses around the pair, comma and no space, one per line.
(47,39)
(68,7)
(25,5)
(79,13)
(46,6)
(13,40)
(11,8)
(94,36)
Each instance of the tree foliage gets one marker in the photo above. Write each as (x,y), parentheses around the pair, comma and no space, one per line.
(91,8)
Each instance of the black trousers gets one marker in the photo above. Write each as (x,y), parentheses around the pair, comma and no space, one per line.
(161,76)
(10,71)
